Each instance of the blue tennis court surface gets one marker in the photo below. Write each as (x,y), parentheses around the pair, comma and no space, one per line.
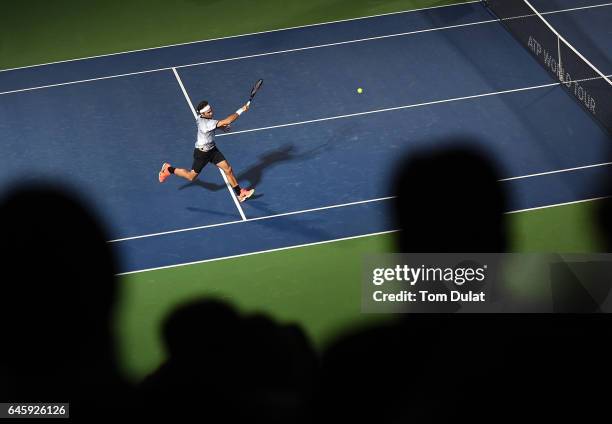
(320,156)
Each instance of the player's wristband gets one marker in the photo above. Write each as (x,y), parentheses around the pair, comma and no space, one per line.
(239,111)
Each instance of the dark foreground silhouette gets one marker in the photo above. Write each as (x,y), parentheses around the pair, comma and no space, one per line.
(59,289)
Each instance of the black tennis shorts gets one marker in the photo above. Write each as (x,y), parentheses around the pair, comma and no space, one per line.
(200,158)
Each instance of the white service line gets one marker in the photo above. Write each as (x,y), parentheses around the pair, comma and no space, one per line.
(389,109)
(330,241)
(242,35)
(287,51)
(165,233)
(195,116)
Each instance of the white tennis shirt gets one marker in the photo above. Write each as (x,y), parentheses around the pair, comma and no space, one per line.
(206,133)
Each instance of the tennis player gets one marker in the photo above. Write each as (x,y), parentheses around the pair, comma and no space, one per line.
(206,151)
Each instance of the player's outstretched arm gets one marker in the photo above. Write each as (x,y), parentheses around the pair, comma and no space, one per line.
(225,122)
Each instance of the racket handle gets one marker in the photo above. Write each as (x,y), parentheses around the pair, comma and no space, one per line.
(248,103)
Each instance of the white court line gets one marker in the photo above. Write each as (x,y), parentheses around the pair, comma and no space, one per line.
(283,29)
(259,252)
(552,12)
(330,241)
(281,52)
(340,43)
(251,56)
(571,47)
(353,41)
(389,109)
(415,105)
(222,224)
(229,187)
(164,233)
(557,171)
(241,35)
(61,84)
(203,227)
(557,204)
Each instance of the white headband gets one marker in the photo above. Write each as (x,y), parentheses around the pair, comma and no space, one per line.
(205,109)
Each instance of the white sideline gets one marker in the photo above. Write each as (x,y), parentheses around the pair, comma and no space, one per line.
(325,242)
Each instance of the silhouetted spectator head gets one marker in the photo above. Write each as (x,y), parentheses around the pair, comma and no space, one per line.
(279,356)
(58,289)
(202,328)
(203,367)
(605,220)
(224,365)
(450,201)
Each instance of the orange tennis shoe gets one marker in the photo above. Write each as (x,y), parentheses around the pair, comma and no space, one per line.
(245,194)
(164,173)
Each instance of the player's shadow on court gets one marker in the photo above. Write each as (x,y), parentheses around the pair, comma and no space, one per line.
(255,174)
(256,197)
(204,184)
(286,153)
(211,212)
(290,224)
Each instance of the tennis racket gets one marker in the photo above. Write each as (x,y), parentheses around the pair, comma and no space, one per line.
(254,90)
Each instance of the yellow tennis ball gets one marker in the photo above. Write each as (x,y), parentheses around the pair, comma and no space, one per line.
(360,90)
